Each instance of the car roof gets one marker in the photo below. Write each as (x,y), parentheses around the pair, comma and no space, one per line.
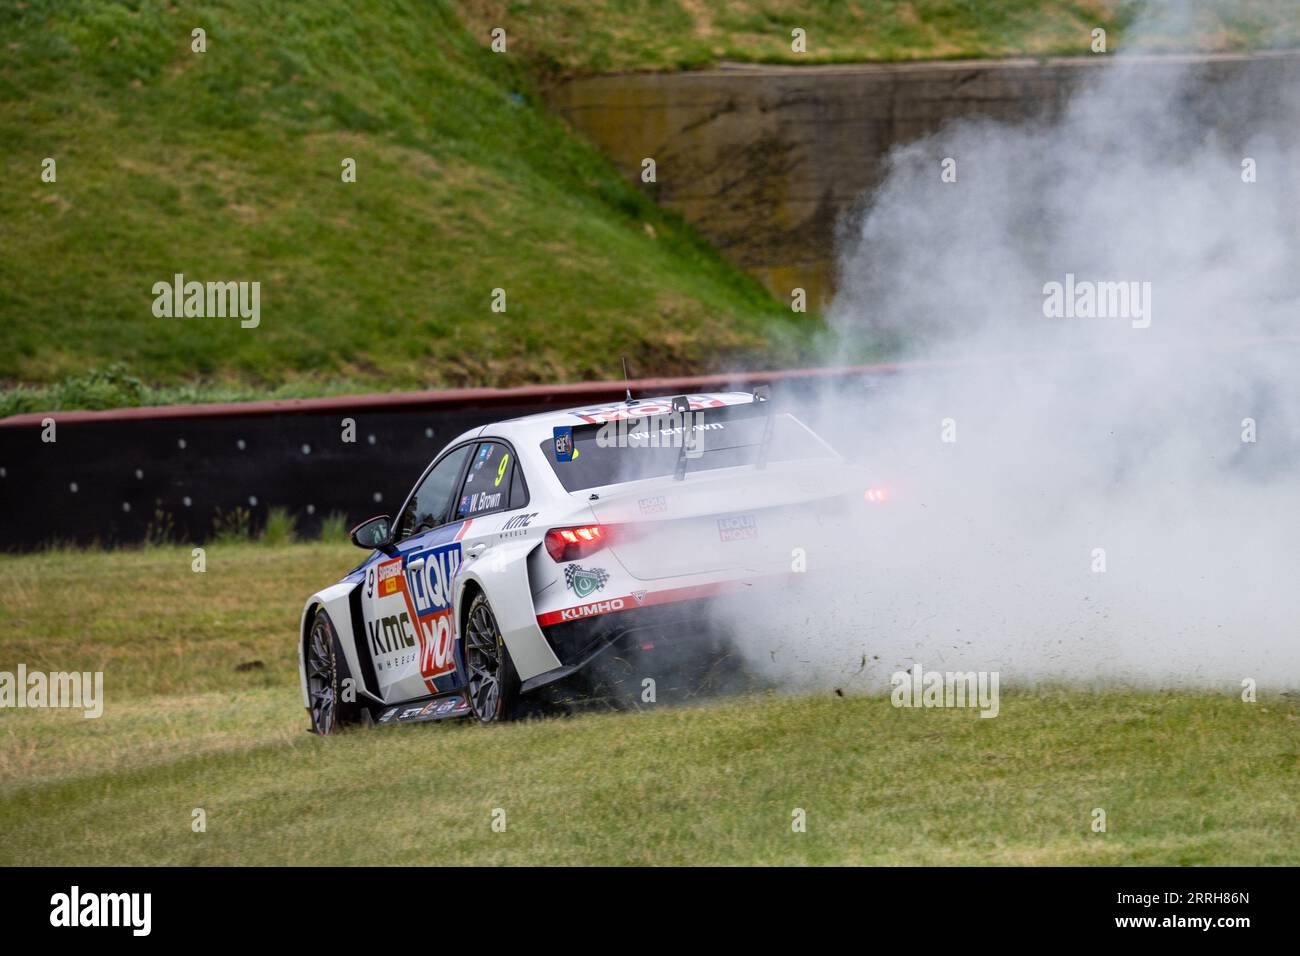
(636,408)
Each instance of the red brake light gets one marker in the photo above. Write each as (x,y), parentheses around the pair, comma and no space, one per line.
(570,544)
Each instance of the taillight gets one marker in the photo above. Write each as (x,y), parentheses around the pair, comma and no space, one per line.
(570,544)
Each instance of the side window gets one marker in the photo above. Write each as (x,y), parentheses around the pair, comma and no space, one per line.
(518,490)
(428,506)
(487,484)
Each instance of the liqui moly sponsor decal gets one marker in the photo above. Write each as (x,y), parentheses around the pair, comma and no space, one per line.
(431,590)
(737,528)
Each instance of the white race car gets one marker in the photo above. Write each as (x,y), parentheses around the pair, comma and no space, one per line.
(531,548)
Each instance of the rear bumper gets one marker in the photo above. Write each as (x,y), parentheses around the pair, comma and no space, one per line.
(578,643)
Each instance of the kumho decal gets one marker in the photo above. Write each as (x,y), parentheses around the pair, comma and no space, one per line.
(590,610)
(430,587)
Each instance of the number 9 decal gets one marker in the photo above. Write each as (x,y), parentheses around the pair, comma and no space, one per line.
(501,470)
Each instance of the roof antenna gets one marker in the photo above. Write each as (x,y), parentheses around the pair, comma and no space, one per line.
(626,382)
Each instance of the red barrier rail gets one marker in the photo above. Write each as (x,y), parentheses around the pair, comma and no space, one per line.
(574,394)
(580,392)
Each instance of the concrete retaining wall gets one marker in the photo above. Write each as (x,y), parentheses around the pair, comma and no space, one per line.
(765,160)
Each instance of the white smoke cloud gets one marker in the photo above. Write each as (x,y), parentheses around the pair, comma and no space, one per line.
(1073,434)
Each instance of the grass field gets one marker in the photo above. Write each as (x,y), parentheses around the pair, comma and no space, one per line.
(1183,778)
(227,166)
(560,37)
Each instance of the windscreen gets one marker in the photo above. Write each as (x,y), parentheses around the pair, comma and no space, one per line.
(652,447)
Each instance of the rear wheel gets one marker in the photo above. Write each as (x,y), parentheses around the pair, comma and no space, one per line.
(327,671)
(493,682)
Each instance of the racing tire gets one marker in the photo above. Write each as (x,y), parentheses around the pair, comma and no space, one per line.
(327,669)
(493,682)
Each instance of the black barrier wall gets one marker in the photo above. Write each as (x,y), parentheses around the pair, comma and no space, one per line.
(125,480)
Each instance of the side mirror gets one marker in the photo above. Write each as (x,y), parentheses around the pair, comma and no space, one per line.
(372,533)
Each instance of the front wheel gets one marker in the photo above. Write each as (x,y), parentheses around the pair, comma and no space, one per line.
(328,684)
(493,683)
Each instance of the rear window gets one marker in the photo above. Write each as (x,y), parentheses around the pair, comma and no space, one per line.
(651,447)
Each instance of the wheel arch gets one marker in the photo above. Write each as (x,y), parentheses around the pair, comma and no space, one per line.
(335,602)
(504,580)
(468,591)
(304,635)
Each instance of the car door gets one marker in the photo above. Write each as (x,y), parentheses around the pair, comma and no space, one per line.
(406,597)
(492,486)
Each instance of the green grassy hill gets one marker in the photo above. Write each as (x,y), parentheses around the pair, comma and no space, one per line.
(578,36)
(203,710)
(226,165)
